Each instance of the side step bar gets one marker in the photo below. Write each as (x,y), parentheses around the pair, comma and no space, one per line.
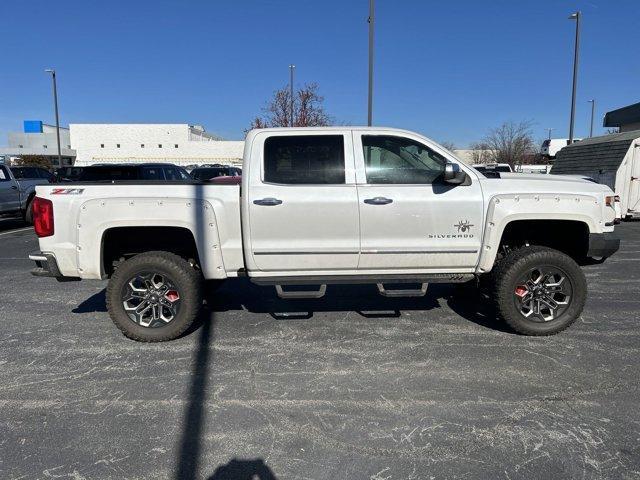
(403,292)
(362,279)
(300,294)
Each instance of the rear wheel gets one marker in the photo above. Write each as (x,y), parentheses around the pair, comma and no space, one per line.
(538,290)
(154,296)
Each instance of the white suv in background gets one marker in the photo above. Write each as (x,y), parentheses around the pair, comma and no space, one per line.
(552,146)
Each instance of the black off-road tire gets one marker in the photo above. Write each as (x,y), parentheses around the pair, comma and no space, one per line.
(188,282)
(505,279)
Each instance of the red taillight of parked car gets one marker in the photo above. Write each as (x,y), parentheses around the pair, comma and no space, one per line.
(42,216)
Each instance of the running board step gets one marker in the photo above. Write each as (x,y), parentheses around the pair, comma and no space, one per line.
(300,294)
(405,292)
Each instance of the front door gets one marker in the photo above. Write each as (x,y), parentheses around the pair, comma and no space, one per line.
(410,220)
(9,194)
(302,205)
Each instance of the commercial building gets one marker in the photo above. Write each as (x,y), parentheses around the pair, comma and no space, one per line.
(626,118)
(38,138)
(181,144)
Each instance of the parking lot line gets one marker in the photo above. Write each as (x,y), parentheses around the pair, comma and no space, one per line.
(16,231)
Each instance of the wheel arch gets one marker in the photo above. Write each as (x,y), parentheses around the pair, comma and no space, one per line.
(568,235)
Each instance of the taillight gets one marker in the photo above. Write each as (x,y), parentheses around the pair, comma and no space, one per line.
(42,216)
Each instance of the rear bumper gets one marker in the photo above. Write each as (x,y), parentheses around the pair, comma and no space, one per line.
(603,245)
(47,266)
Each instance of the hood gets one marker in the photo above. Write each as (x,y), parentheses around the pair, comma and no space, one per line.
(540,183)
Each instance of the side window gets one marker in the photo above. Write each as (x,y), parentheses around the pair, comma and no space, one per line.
(399,160)
(172,173)
(152,173)
(4,175)
(304,159)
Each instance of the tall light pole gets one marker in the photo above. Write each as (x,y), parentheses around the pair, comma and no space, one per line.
(593,110)
(291,68)
(574,16)
(371,26)
(55,103)
(549,130)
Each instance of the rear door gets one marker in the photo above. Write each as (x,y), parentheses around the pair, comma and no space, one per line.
(9,194)
(410,220)
(302,202)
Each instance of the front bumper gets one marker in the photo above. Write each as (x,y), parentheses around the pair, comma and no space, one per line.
(603,245)
(47,266)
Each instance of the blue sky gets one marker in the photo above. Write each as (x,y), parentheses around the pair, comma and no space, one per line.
(448,69)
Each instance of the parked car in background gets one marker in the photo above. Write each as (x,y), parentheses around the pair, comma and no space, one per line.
(551,146)
(142,171)
(208,172)
(68,174)
(493,169)
(17,189)
(32,173)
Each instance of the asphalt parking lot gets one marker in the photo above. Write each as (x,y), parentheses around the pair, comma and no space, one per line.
(350,386)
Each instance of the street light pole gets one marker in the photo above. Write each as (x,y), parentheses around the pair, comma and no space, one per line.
(549,130)
(55,103)
(291,68)
(371,25)
(574,16)
(593,109)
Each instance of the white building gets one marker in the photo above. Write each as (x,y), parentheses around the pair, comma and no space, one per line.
(38,138)
(180,144)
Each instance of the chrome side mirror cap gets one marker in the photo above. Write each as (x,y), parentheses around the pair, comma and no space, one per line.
(453,174)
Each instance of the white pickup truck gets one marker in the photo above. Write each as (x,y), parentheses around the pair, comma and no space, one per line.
(318,206)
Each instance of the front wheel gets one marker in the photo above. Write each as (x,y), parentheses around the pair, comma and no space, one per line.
(538,290)
(154,296)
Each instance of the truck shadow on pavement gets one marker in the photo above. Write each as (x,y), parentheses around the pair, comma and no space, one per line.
(241,294)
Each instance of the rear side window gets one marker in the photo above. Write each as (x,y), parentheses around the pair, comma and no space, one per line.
(304,159)
(4,176)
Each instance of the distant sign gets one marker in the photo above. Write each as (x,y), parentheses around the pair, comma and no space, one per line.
(33,126)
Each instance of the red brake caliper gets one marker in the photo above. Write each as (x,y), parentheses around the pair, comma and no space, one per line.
(172,295)
(521,291)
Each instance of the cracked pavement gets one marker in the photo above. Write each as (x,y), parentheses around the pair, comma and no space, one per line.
(353,385)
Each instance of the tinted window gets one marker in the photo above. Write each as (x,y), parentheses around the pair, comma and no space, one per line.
(174,174)
(152,173)
(209,173)
(309,159)
(4,175)
(26,172)
(108,173)
(391,159)
(503,168)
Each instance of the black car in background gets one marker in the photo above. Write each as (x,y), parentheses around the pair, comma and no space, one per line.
(143,171)
(31,173)
(207,172)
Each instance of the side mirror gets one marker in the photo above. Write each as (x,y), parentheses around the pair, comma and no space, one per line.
(453,175)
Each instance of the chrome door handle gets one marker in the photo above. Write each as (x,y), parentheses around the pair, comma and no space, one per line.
(268,202)
(377,201)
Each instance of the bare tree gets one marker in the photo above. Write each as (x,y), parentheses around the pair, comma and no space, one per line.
(480,153)
(511,143)
(308,110)
(33,161)
(448,145)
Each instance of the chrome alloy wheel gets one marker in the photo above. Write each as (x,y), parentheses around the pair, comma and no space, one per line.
(151,299)
(543,293)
